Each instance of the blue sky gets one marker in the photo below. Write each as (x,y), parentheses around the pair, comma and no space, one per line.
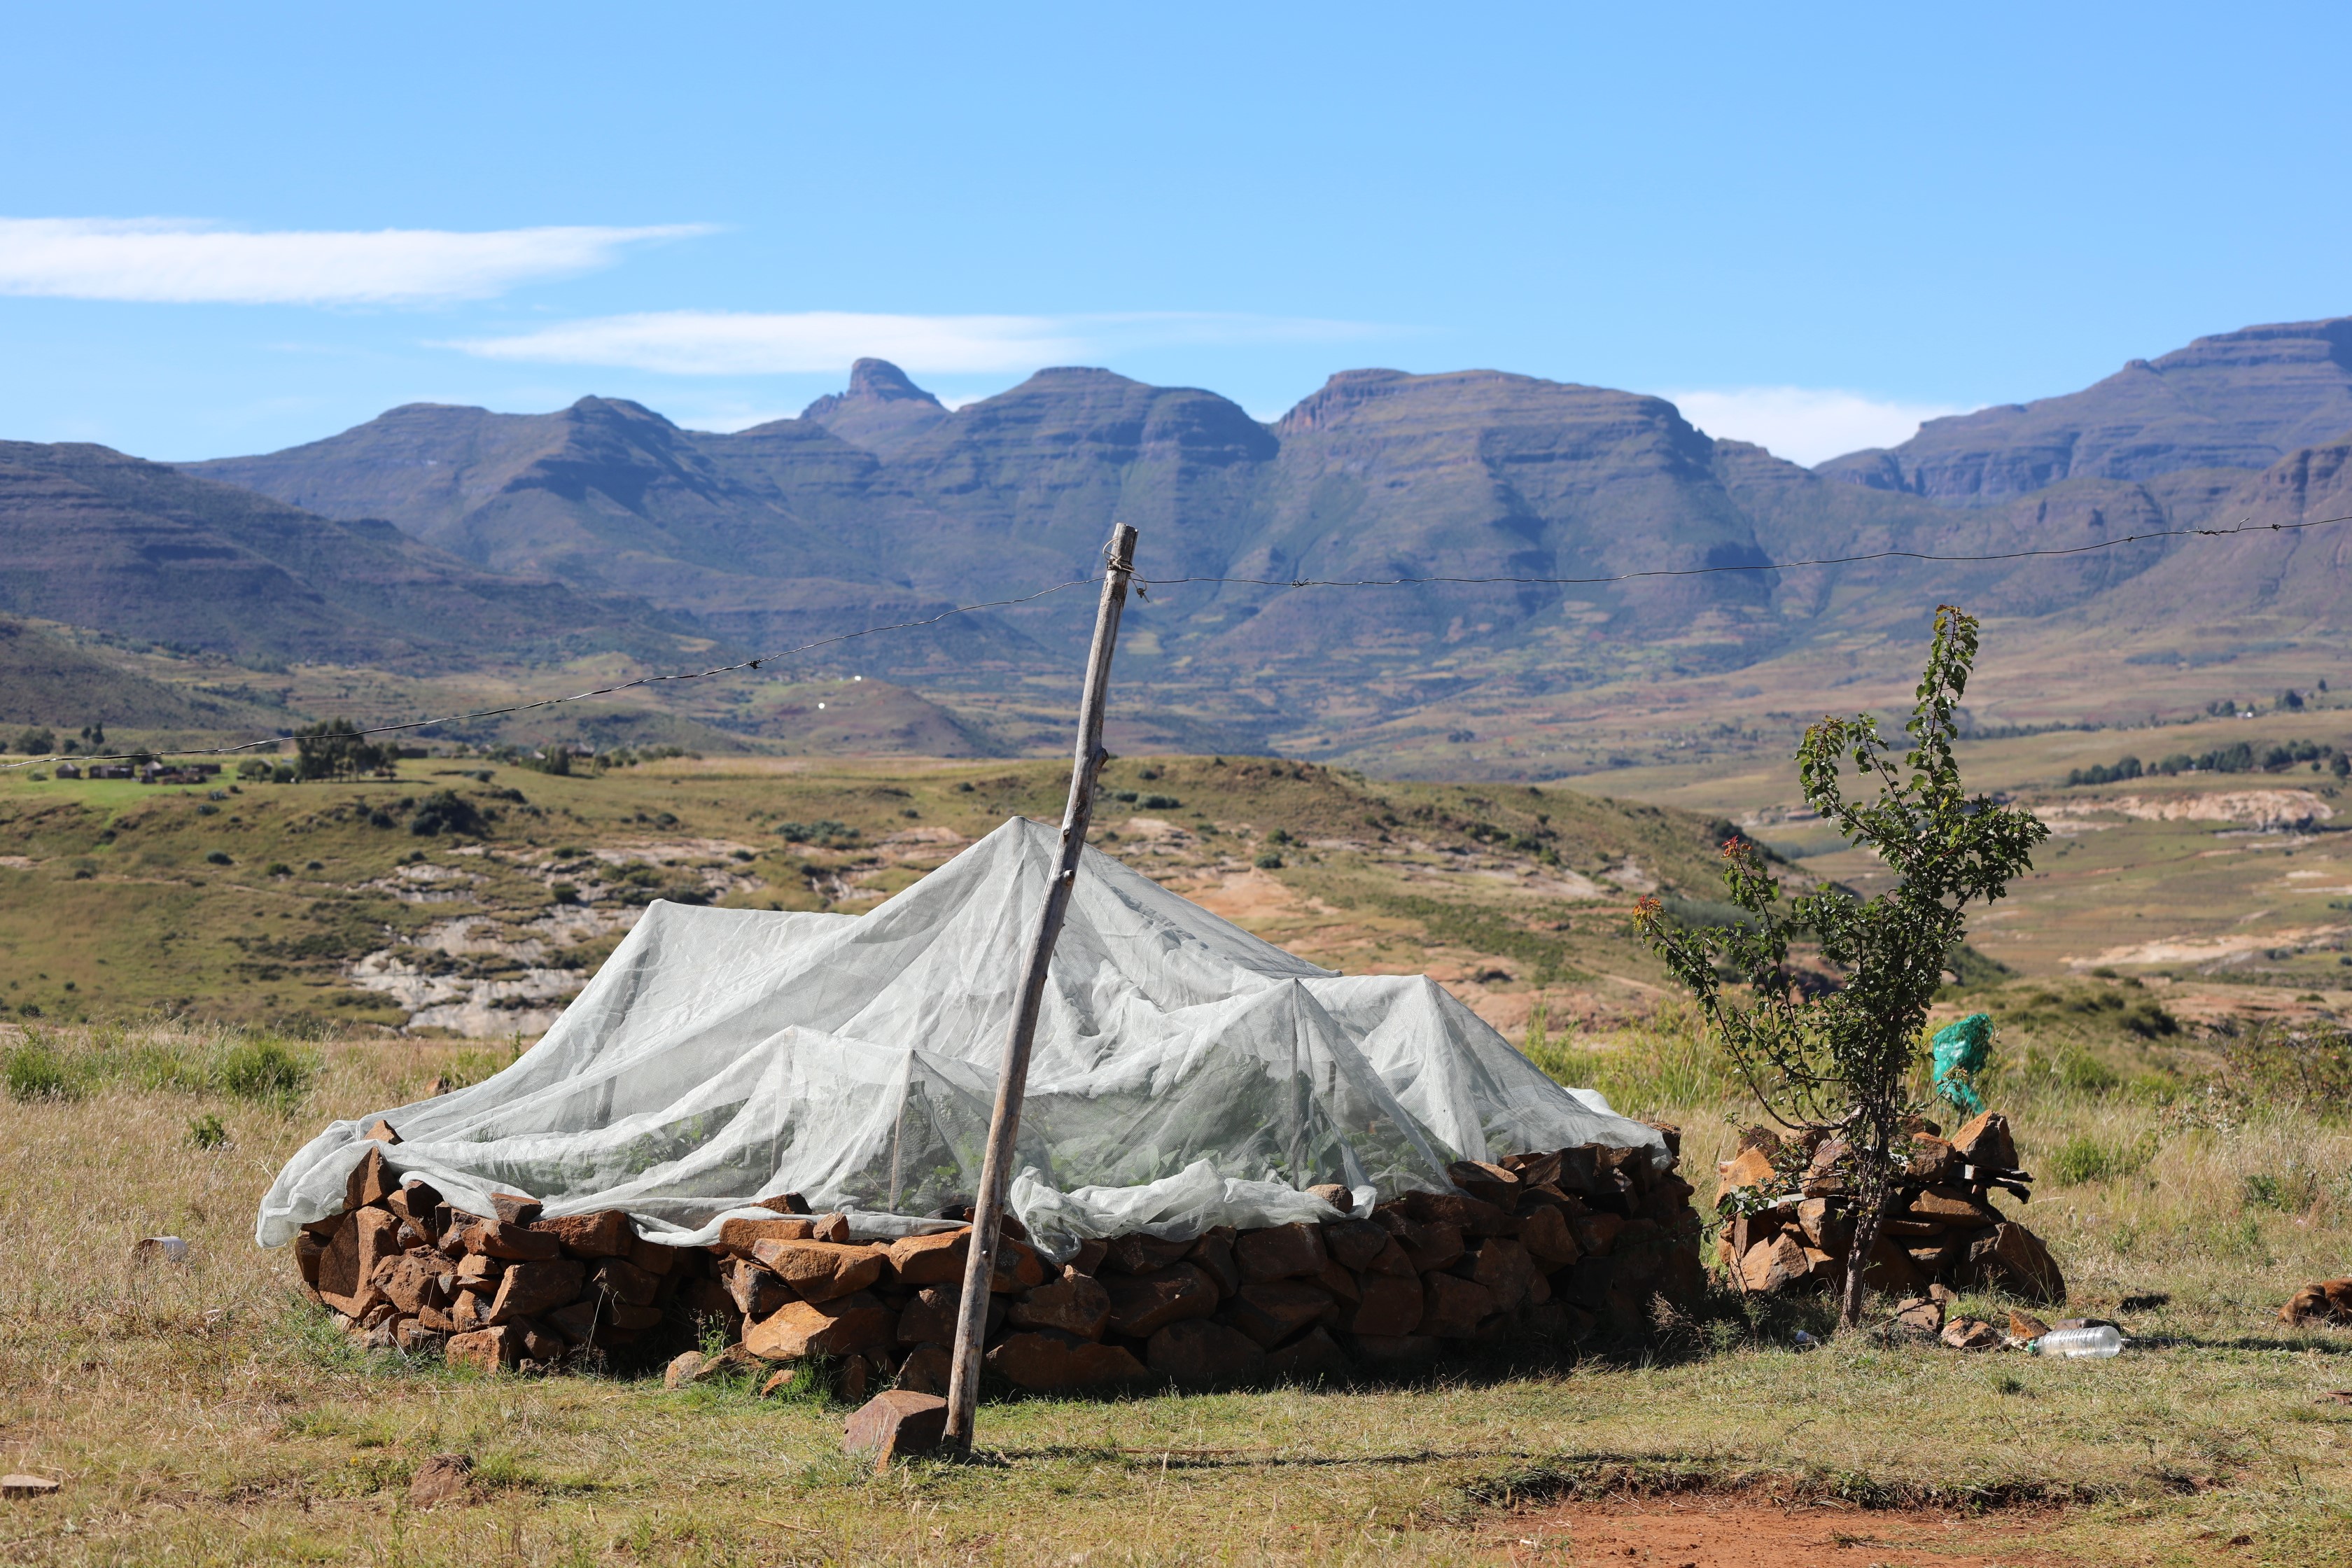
(232,228)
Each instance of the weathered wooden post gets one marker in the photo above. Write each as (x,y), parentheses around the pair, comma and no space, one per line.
(1012,1079)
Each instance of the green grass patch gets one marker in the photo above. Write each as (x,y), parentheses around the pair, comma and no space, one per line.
(2084,1157)
(36,1069)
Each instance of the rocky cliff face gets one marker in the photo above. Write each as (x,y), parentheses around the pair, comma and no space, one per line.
(2236,400)
(764,533)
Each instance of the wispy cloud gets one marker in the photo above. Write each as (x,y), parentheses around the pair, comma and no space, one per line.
(1805,424)
(180,261)
(745,342)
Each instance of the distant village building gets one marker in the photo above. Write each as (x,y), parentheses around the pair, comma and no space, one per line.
(183,773)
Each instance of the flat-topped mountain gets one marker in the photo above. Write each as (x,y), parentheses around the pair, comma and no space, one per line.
(879,500)
(2235,400)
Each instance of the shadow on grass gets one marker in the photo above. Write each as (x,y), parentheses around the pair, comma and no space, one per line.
(1597,1477)
(2314,1344)
(1722,1322)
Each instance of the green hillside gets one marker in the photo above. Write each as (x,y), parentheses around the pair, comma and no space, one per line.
(489,890)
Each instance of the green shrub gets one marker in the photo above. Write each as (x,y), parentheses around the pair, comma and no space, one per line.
(205,1131)
(446,811)
(2085,1073)
(2083,1159)
(218,857)
(1269,861)
(36,1071)
(262,1070)
(2294,1193)
(826,833)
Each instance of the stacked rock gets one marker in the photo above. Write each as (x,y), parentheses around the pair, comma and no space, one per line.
(1789,1221)
(1555,1247)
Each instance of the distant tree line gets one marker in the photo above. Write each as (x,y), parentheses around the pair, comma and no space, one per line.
(40,741)
(2238,757)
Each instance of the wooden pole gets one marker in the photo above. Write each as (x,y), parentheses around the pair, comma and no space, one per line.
(1012,1079)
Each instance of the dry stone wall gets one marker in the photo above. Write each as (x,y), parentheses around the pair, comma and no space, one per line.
(1538,1249)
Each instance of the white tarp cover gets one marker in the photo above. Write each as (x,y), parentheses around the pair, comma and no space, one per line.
(1186,1073)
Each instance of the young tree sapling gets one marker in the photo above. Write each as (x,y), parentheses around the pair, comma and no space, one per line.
(1846,1057)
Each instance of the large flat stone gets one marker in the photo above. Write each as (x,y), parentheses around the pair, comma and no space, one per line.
(1045,1360)
(1142,1304)
(607,1232)
(1074,1304)
(1392,1307)
(1271,1311)
(1198,1351)
(527,1290)
(897,1423)
(849,1325)
(822,1270)
(1279,1252)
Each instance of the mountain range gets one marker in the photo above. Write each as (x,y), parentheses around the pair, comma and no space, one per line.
(91,538)
(438,533)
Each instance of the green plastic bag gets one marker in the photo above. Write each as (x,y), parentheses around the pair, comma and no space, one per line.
(1963,1049)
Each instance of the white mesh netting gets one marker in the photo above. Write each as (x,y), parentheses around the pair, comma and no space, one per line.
(1186,1075)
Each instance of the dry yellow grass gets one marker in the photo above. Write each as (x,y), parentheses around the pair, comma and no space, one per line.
(199,1415)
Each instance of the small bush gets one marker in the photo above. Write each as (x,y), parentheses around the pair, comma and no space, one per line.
(2087,1074)
(1160,803)
(446,811)
(265,1070)
(205,1131)
(826,833)
(35,1071)
(1269,861)
(218,857)
(2292,1192)
(2083,1158)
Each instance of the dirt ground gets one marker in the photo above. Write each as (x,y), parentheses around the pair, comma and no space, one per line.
(1756,1532)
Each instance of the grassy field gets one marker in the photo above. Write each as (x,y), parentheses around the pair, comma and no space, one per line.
(263,902)
(200,1413)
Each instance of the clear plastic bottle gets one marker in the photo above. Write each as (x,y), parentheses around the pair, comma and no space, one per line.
(2069,1343)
